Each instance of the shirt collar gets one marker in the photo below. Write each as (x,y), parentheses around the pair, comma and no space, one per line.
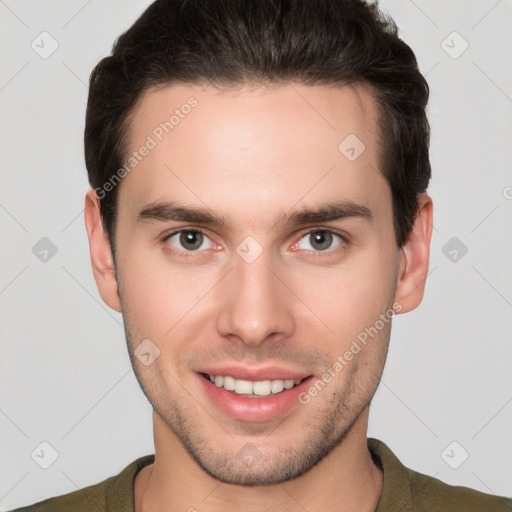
(396,493)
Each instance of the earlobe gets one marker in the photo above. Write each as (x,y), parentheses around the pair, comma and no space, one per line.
(101,254)
(414,258)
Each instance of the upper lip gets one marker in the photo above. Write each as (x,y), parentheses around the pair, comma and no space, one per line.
(256,374)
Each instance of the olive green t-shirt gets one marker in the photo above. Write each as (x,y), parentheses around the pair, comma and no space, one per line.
(404,490)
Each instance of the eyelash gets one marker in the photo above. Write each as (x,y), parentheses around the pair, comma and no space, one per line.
(187,254)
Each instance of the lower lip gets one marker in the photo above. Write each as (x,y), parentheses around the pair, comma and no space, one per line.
(262,409)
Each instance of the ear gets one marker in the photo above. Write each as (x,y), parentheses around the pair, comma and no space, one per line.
(101,254)
(414,259)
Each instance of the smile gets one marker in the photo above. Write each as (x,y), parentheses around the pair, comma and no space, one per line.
(250,388)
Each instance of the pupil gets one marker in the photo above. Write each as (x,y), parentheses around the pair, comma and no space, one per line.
(191,239)
(321,240)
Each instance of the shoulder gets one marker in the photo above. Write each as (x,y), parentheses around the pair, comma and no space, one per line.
(406,489)
(114,493)
(431,494)
(92,498)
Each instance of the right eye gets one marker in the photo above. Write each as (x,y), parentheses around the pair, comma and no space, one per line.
(189,240)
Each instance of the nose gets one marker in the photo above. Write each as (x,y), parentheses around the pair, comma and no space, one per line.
(254,304)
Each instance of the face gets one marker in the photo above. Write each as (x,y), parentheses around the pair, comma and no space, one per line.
(255,245)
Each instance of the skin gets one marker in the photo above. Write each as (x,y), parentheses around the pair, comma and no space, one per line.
(255,156)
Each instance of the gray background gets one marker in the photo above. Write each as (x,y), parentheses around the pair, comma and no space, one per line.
(65,374)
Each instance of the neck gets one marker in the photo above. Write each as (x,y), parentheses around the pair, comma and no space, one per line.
(346,479)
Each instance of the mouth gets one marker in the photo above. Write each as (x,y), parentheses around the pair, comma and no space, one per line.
(252,389)
(253,399)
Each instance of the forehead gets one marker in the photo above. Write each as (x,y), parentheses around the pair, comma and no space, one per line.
(254,148)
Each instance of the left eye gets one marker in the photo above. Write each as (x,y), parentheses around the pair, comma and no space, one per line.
(319,240)
(190,240)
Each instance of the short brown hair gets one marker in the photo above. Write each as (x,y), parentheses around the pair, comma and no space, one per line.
(230,42)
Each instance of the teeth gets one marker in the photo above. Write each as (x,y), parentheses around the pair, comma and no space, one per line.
(229,383)
(288,384)
(277,386)
(262,388)
(243,387)
(258,388)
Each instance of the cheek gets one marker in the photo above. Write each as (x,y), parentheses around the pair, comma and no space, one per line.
(352,296)
(156,297)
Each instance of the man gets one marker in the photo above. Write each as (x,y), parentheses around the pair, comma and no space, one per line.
(258,203)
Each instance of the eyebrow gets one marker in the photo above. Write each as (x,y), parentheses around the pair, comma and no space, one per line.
(172,211)
(328,212)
